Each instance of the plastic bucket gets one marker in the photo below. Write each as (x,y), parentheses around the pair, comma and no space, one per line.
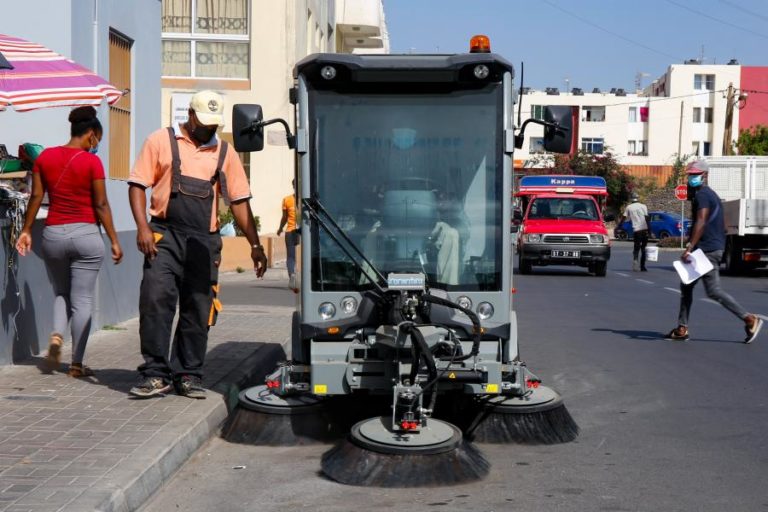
(652,253)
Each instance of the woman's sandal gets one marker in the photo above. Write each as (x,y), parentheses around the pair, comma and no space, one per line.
(79,370)
(53,359)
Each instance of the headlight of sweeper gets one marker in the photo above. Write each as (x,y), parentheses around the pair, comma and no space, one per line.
(464,302)
(481,71)
(535,238)
(326,310)
(485,310)
(348,305)
(597,239)
(328,72)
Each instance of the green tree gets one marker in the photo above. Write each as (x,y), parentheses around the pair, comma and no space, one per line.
(753,141)
(678,170)
(620,184)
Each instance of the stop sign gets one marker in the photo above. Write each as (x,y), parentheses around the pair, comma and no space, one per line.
(681,192)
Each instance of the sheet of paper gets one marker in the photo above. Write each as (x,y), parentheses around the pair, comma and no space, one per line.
(698,264)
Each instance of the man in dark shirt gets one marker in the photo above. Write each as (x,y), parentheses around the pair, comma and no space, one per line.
(708,234)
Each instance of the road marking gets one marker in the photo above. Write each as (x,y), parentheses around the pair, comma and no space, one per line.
(644,281)
(711,301)
(672,289)
(622,274)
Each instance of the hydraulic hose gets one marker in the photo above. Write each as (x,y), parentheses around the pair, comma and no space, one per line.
(476,332)
(421,350)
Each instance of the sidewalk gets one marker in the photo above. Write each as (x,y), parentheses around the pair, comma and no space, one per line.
(82,445)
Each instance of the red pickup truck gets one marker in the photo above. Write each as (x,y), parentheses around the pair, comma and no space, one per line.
(563,223)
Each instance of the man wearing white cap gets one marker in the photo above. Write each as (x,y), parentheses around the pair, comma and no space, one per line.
(187,168)
(708,234)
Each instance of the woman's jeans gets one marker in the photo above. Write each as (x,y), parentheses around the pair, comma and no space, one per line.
(73,254)
(714,291)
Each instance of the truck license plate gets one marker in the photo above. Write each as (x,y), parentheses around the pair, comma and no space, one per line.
(565,254)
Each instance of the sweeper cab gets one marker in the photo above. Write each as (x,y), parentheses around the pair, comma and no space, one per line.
(405,339)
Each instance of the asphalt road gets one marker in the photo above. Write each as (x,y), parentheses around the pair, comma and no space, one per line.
(672,426)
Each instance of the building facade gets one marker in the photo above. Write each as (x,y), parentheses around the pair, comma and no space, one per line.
(683,112)
(121,42)
(247,51)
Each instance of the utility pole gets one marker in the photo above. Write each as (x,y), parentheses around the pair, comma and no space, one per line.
(727,129)
(680,132)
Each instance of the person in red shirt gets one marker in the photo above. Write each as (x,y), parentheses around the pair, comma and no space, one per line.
(72,247)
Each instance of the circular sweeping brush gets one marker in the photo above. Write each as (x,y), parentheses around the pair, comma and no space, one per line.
(538,418)
(373,455)
(263,418)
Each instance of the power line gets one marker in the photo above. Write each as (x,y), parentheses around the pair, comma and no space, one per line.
(705,15)
(642,100)
(615,34)
(744,9)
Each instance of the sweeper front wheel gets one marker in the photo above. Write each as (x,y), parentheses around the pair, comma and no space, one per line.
(540,417)
(264,418)
(374,455)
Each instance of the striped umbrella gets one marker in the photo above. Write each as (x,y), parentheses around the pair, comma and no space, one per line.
(41,78)
(4,64)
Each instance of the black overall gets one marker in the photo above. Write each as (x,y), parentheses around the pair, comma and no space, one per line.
(185,270)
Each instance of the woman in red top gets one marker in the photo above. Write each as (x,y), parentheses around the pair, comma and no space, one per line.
(72,246)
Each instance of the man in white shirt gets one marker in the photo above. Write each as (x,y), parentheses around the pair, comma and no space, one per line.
(637,213)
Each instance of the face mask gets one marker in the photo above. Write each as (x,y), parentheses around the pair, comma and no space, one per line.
(695,180)
(202,134)
(95,149)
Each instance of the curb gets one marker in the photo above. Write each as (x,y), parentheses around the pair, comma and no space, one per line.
(133,483)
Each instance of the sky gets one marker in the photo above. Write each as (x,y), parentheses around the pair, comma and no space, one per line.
(586,43)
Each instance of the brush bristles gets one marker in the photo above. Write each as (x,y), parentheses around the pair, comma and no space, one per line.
(548,427)
(245,426)
(349,464)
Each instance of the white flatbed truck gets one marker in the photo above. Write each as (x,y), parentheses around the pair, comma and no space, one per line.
(742,184)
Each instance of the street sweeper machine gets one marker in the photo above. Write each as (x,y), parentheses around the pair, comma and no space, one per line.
(404,344)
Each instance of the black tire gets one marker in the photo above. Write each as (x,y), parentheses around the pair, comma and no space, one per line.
(663,235)
(524,266)
(600,268)
(731,258)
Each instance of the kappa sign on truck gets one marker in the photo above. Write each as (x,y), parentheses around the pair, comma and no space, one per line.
(563,223)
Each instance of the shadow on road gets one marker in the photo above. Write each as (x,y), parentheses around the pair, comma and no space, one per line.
(659,336)
(573,272)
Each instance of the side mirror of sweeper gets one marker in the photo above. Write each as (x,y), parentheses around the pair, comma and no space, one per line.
(247,128)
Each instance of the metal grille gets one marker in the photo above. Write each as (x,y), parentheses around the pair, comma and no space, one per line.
(566,239)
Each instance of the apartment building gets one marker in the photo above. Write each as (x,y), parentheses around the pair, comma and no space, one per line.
(682,112)
(247,51)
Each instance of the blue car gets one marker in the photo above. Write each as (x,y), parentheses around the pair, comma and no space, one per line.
(663,225)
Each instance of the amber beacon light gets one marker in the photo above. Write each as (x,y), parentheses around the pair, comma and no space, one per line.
(480,44)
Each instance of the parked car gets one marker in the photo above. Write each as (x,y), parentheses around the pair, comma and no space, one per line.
(663,225)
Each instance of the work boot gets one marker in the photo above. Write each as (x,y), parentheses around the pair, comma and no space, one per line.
(148,387)
(190,386)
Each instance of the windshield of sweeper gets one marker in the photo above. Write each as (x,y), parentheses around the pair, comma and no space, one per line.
(415,180)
